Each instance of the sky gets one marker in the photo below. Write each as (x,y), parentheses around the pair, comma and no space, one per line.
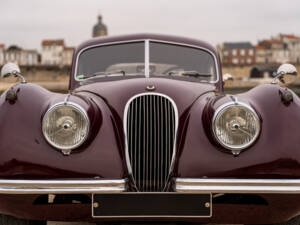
(27,22)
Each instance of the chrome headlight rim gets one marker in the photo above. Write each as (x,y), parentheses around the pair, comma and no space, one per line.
(75,106)
(221,109)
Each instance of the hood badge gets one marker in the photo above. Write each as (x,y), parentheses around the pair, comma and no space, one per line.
(150,88)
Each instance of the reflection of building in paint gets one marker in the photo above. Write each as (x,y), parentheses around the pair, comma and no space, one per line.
(99,29)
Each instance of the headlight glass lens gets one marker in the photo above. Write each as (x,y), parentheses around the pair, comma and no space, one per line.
(236,125)
(65,126)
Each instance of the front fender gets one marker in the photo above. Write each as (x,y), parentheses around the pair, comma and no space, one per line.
(275,154)
(25,154)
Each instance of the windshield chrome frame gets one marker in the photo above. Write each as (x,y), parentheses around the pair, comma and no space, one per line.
(147,54)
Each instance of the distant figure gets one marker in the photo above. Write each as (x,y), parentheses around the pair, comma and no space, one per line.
(99,29)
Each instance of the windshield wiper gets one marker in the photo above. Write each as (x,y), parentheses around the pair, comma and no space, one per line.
(101,74)
(191,73)
(195,74)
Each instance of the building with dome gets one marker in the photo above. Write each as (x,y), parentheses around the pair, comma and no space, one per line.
(99,29)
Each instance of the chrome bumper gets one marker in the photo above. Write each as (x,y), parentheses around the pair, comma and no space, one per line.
(61,186)
(275,186)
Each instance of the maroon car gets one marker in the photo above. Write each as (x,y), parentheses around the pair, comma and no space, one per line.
(146,133)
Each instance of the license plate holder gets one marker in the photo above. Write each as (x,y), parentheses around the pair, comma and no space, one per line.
(151,205)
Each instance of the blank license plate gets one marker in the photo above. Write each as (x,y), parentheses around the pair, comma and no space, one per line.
(151,205)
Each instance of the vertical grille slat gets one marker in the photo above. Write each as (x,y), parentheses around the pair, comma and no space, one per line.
(162,143)
(135,136)
(150,130)
(166,139)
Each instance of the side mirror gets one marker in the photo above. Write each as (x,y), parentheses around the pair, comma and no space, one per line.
(12,69)
(227,77)
(286,73)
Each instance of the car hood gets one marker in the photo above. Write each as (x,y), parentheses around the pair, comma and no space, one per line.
(117,93)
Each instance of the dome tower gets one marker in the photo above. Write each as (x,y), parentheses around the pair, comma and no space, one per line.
(99,29)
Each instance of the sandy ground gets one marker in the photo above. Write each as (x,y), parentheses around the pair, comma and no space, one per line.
(61,86)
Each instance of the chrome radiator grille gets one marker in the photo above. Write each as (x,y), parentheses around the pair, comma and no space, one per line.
(151,124)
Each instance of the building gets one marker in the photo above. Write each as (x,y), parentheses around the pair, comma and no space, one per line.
(237,53)
(67,56)
(29,58)
(52,51)
(13,54)
(99,29)
(1,54)
(22,57)
(262,55)
(278,50)
(293,45)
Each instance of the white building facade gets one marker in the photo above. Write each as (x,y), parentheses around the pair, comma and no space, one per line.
(293,45)
(67,56)
(52,52)
(29,58)
(22,57)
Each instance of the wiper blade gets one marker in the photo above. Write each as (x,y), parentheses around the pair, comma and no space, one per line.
(101,74)
(195,74)
(189,73)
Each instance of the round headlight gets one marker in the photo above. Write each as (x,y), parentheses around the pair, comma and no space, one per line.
(65,125)
(236,125)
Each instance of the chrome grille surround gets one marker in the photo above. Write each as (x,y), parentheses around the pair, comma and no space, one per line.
(150,126)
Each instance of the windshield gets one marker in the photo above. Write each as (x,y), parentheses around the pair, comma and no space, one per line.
(162,59)
(128,57)
(176,60)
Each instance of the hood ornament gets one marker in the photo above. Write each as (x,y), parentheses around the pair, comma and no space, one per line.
(150,88)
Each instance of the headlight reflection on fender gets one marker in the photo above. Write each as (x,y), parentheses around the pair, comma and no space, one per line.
(236,125)
(65,125)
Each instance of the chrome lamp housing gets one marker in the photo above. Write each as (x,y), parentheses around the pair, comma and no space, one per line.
(66,126)
(235,126)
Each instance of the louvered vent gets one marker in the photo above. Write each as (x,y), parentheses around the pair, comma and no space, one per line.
(151,128)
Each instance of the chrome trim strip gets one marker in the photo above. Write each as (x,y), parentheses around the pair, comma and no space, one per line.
(260,186)
(149,40)
(235,102)
(147,58)
(66,102)
(126,136)
(61,186)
